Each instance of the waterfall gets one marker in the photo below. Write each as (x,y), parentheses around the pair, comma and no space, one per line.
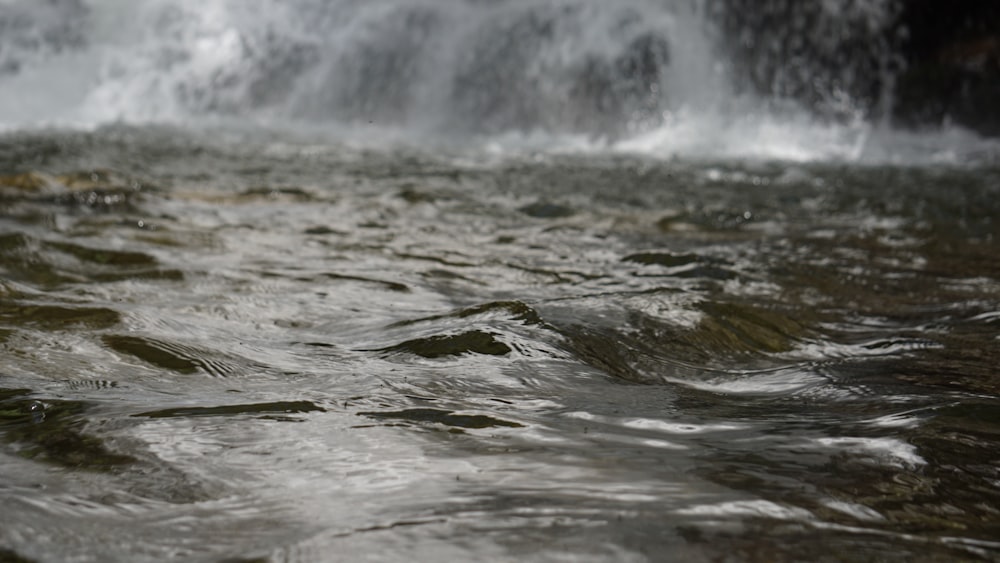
(662,75)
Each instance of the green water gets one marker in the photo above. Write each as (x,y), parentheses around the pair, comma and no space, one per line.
(216,350)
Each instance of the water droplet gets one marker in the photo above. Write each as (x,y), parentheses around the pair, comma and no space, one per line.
(37,411)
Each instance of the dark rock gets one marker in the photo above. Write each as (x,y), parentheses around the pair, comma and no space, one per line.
(815,53)
(920,63)
(952,65)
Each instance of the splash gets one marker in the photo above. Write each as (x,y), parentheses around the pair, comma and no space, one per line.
(668,77)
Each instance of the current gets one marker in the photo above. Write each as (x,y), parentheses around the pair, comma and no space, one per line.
(488,280)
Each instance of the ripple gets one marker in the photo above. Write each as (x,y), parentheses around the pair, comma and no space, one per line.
(294,355)
(685,265)
(178,357)
(751,508)
(58,317)
(446,418)
(52,431)
(880,450)
(854,510)
(657,425)
(52,263)
(279,407)
(780,381)
(516,310)
(472,342)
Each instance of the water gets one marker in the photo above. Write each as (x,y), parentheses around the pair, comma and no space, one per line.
(241,323)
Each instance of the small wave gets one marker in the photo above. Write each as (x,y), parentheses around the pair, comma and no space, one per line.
(178,357)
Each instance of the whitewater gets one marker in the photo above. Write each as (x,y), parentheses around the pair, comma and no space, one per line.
(648,78)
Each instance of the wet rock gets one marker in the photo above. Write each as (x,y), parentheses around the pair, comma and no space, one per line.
(918,62)
(952,65)
(835,57)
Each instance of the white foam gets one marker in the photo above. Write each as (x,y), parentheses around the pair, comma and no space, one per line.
(883,450)
(748,508)
(306,65)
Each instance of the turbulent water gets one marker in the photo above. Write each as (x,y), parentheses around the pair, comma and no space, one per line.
(588,305)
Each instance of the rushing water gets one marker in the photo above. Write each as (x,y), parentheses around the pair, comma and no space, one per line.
(243,324)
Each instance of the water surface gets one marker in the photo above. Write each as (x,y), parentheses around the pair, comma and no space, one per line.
(254,349)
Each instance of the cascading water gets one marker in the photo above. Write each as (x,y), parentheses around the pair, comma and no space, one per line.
(773,79)
(482,67)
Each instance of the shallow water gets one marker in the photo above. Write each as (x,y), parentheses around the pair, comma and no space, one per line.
(270,350)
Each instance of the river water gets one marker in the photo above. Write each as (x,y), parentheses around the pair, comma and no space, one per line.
(234,327)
